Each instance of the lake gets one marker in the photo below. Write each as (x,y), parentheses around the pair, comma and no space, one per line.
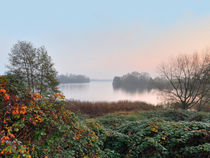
(104,91)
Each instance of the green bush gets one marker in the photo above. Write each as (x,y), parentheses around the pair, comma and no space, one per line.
(159,138)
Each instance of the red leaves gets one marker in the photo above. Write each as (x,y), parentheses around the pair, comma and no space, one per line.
(12,135)
(6,97)
(4,138)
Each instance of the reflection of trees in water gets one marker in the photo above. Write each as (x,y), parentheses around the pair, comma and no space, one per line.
(138,83)
(131,89)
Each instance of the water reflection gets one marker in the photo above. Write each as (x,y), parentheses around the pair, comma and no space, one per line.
(74,86)
(132,90)
(104,91)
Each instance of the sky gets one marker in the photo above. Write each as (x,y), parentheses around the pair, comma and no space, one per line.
(106,38)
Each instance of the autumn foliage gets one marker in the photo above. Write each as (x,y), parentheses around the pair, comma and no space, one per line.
(35,126)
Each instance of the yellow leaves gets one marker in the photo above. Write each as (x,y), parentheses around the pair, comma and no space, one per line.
(19,156)
(154,127)
(154,130)
(164,137)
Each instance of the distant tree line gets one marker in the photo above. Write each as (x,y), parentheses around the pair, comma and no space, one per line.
(71,78)
(136,81)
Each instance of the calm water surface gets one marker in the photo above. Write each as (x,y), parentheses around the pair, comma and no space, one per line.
(103,91)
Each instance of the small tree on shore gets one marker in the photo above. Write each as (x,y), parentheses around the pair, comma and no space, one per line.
(46,76)
(34,67)
(188,76)
(23,63)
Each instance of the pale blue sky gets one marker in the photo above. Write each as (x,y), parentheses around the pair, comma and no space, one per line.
(103,38)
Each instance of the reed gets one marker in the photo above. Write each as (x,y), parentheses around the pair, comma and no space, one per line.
(94,109)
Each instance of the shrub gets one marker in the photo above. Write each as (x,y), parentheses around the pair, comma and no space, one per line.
(159,138)
(37,126)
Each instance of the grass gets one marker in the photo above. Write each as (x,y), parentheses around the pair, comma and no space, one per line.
(117,119)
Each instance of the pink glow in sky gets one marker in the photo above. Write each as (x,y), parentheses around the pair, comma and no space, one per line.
(102,39)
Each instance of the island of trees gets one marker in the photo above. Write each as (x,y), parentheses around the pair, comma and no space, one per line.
(138,82)
(71,78)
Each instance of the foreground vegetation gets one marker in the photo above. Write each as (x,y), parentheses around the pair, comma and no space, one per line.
(165,133)
(35,126)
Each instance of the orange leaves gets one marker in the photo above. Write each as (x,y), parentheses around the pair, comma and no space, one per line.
(19,110)
(2,152)
(59,96)
(35,95)
(203,130)
(2,91)
(38,117)
(77,137)
(6,121)
(23,109)
(15,110)
(54,116)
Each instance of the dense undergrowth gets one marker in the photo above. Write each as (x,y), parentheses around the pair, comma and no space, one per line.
(35,126)
(162,134)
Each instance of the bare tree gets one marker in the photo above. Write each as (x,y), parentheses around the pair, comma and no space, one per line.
(188,76)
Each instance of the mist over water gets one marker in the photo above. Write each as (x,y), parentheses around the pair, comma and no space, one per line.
(104,91)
